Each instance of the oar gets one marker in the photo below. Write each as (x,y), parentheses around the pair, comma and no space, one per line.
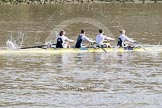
(103,49)
(38,46)
(100,47)
(141,46)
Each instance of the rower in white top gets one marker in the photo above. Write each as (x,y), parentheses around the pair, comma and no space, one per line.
(81,38)
(124,41)
(101,40)
(62,40)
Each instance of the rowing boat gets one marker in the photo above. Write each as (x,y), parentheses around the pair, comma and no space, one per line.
(79,50)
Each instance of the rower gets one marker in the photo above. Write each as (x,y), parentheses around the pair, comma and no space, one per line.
(101,38)
(124,41)
(62,39)
(81,39)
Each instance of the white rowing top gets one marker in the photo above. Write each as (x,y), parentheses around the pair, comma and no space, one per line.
(100,38)
(83,37)
(64,39)
(124,38)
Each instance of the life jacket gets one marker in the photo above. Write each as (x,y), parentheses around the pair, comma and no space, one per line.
(59,43)
(120,42)
(79,42)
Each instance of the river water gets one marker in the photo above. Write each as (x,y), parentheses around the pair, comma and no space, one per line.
(78,80)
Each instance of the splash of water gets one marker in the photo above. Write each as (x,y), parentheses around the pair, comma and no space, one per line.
(15,43)
(11,45)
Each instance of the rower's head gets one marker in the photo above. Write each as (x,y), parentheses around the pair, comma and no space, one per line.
(122,31)
(82,31)
(62,32)
(101,31)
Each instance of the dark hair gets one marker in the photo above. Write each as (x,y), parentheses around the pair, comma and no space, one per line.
(121,31)
(100,31)
(82,31)
(61,32)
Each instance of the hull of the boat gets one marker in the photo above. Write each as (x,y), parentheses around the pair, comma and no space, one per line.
(75,50)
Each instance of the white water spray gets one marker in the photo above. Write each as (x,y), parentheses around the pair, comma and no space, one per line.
(15,43)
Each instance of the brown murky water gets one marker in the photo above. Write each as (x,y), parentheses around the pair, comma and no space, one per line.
(93,80)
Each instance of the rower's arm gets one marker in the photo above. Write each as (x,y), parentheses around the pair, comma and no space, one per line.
(88,39)
(129,39)
(109,38)
(69,40)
